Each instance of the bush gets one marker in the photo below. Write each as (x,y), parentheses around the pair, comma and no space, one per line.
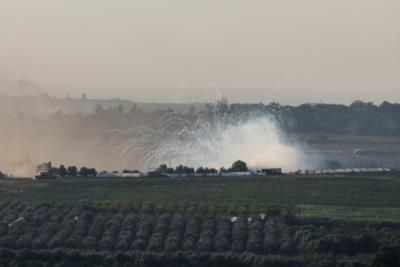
(366,243)
(254,243)
(3,229)
(271,237)
(223,237)
(192,233)
(95,232)
(286,239)
(139,244)
(127,232)
(112,227)
(174,238)
(239,235)
(145,227)
(156,242)
(80,231)
(387,257)
(7,242)
(206,238)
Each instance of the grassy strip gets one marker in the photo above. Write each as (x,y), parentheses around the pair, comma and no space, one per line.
(350,213)
(340,213)
(330,191)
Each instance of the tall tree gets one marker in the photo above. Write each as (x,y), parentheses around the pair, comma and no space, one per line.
(62,171)
(239,166)
(72,171)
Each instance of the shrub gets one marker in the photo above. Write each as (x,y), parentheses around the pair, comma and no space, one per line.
(80,231)
(222,239)
(192,233)
(145,227)
(139,244)
(95,232)
(254,243)
(156,242)
(127,232)
(239,234)
(176,229)
(206,238)
(271,237)
(112,227)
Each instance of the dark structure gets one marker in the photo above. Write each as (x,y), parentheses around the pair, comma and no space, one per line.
(44,171)
(271,171)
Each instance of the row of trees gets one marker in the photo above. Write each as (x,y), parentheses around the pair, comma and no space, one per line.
(389,257)
(358,118)
(71,171)
(237,166)
(52,226)
(178,169)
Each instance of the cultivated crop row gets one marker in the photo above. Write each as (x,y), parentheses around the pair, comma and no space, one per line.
(83,227)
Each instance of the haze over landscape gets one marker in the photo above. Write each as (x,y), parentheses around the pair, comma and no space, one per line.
(210,133)
(290,52)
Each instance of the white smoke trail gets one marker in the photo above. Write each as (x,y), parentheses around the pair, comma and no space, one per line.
(257,140)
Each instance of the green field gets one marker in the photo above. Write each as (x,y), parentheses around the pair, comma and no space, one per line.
(350,198)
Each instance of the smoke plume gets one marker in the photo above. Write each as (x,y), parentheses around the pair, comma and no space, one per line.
(259,142)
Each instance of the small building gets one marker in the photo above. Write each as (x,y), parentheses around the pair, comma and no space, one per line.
(346,171)
(107,175)
(271,171)
(234,174)
(131,175)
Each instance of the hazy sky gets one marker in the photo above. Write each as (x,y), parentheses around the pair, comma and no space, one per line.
(183,50)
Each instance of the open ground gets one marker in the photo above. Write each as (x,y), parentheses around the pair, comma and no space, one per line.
(365,198)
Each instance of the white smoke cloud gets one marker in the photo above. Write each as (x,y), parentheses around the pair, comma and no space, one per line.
(258,142)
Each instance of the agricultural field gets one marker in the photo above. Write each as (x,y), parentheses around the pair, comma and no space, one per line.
(216,221)
(105,235)
(335,197)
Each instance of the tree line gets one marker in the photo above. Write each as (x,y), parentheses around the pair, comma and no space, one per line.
(358,118)
(72,171)
(80,229)
(237,166)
